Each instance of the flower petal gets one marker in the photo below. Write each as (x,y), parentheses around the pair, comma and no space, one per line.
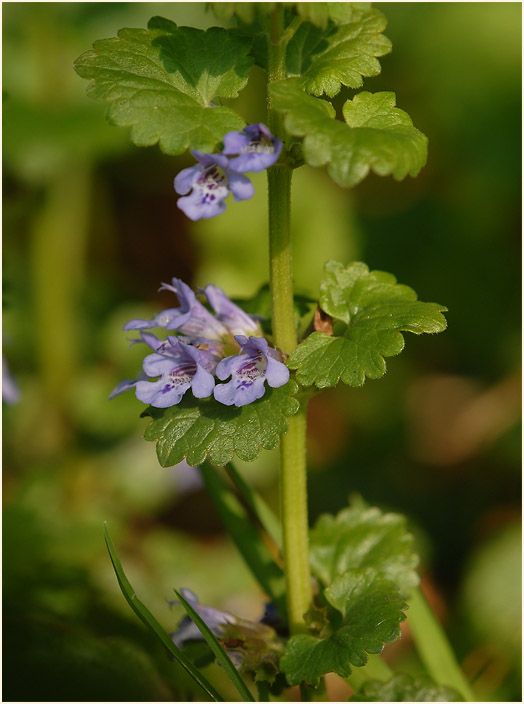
(229,313)
(241,187)
(210,159)
(161,393)
(161,320)
(123,386)
(277,374)
(158,364)
(203,383)
(185,180)
(195,209)
(225,393)
(234,142)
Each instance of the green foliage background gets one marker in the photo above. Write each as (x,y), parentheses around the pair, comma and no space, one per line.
(90,230)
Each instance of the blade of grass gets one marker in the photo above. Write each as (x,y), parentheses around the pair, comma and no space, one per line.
(150,621)
(434,648)
(218,650)
(246,537)
(256,503)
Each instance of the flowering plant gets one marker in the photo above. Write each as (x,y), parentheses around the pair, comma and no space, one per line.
(339,591)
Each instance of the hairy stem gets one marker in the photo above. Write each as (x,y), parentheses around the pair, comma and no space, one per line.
(293,479)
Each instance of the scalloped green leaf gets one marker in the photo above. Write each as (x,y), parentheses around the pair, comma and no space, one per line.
(200,429)
(376,136)
(344,290)
(162,81)
(320,13)
(339,56)
(360,537)
(376,310)
(371,609)
(405,688)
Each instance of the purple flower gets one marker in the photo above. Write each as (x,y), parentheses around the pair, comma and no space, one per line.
(191,318)
(257,363)
(213,618)
(256,147)
(238,322)
(211,181)
(207,344)
(180,367)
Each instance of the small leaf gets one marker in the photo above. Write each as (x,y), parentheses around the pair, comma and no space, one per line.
(376,136)
(359,537)
(405,688)
(217,649)
(161,82)
(338,56)
(372,609)
(203,428)
(376,310)
(150,622)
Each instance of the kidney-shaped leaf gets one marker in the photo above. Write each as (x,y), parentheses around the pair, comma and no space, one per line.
(372,610)
(161,82)
(377,310)
(200,429)
(376,136)
(360,537)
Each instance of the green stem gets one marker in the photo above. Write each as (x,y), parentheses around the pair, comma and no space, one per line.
(433,647)
(293,502)
(281,269)
(293,479)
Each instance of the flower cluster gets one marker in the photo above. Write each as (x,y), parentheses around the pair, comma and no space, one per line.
(217,175)
(205,347)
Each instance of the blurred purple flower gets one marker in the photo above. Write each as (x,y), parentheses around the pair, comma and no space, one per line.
(255,146)
(214,619)
(211,181)
(249,370)
(10,390)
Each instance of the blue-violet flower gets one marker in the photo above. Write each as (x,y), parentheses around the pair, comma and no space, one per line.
(211,181)
(257,363)
(180,367)
(255,146)
(207,345)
